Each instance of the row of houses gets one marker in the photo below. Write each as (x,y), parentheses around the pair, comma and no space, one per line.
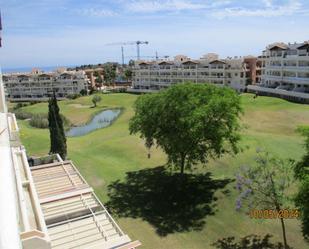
(235,72)
(282,70)
(38,85)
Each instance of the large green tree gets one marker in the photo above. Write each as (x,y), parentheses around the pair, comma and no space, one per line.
(302,173)
(56,130)
(190,122)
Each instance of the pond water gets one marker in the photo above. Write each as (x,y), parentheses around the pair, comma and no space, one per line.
(101,120)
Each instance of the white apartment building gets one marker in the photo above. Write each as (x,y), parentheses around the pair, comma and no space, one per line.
(155,75)
(285,72)
(37,85)
(49,205)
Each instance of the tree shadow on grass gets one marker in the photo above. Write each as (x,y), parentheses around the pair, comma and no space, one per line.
(170,202)
(249,242)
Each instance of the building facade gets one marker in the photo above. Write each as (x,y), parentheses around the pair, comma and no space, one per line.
(93,75)
(235,72)
(285,72)
(38,86)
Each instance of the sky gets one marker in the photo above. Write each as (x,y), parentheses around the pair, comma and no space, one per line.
(74,32)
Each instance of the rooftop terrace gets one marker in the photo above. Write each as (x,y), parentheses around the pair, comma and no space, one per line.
(74,216)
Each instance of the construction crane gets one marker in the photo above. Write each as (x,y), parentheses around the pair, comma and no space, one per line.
(137,43)
(157,57)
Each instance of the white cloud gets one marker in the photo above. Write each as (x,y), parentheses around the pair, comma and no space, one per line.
(156,6)
(152,6)
(270,10)
(96,12)
(220,3)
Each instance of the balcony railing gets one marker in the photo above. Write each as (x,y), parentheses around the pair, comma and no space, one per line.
(13,127)
(278,91)
(297,80)
(288,54)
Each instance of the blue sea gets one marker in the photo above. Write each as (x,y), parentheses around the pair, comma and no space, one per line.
(28,69)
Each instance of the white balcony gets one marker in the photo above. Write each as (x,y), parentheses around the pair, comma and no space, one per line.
(303,53)
(13,128)
(272,77)
(33,230)
(276,67)
(303,68)
(290,68)
(297,80)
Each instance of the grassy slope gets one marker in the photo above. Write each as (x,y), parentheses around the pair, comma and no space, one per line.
(107,154)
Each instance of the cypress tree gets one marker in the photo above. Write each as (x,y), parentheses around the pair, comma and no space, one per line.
(56,130)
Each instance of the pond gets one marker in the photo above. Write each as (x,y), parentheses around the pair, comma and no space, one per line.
(101,120)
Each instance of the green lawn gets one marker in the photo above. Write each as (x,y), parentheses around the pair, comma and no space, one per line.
(105,156)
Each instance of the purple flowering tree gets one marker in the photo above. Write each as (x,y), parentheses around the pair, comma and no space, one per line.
(265,185)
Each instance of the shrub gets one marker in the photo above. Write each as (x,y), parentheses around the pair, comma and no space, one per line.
(23,115)
(34,102)
(83,92)
(74,96)
(20,105)
(39,121)
(92,91)
(119,90)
